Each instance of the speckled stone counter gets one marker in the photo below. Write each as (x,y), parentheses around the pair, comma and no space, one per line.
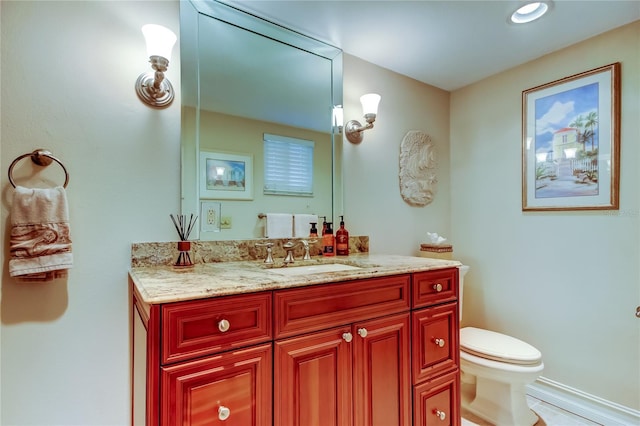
(165,284)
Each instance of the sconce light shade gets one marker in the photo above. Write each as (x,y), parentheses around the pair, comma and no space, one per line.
(353,128)
(152,87)
(370,103)
(338,118)
(160,40)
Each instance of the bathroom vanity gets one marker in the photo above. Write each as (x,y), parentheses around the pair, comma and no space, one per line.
(240,343)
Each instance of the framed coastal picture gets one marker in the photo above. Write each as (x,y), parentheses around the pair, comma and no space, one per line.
(571,142)
(226,176)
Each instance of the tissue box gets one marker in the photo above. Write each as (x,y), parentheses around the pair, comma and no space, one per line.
(439,251)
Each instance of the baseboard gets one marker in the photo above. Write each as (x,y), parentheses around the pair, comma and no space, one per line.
(583,404)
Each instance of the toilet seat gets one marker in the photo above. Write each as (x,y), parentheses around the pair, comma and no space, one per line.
(498,347)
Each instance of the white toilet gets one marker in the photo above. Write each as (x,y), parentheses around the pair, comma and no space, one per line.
(495,370)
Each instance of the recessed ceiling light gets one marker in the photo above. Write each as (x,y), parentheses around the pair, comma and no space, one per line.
(529,12)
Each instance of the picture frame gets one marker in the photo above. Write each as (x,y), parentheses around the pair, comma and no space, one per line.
(571,142)
(226,176)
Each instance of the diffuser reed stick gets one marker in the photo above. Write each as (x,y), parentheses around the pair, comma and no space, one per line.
(184,229)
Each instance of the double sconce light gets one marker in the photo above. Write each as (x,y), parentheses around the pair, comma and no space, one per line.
(353,129)
(152,87)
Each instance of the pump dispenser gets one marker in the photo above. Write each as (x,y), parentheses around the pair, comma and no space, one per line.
(313,232)
(328,241)
(324,224)
(342,239)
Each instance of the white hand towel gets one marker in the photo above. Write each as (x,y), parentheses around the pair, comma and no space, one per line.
(279,225)
(40,245)
(301,224)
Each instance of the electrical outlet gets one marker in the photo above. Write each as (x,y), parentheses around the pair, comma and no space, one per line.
(225,222)
(210,216)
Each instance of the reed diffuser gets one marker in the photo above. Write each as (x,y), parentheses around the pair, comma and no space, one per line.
(184,229)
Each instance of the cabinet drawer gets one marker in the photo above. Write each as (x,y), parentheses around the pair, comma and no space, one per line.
(233,388)
(433,287)
(437,402)
(308,309)
(197,328)
(435,345)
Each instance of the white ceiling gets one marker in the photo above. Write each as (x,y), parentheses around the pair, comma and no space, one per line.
(447,44)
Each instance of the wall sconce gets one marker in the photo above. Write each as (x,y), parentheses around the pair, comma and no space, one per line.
(353,128)
(338,118)
(152,87)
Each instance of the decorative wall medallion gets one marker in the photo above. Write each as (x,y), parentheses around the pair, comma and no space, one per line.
(418,166)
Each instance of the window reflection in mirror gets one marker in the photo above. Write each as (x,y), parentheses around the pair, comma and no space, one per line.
(242,78)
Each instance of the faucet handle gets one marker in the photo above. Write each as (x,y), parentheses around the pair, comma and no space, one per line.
(269,246)
(305,243)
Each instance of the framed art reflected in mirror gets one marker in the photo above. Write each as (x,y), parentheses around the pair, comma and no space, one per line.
(226,176)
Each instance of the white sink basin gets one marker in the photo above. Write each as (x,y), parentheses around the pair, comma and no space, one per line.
(313,269)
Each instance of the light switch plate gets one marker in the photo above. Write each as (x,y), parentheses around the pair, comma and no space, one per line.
(225,222)
(210,216)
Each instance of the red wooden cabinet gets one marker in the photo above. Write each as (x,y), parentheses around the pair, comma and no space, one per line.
(204,362)
(231,389)
(435,348)
(437,401)
(312,379)
(343,354)
(382,372)
(353,375)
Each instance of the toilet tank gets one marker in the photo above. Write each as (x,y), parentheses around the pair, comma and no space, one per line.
(462,271)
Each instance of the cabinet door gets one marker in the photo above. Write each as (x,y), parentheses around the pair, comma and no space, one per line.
(382,372)
(312,379)
(232,388)
(437,402)
(435,346)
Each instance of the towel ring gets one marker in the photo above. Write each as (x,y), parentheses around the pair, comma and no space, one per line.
(41,157)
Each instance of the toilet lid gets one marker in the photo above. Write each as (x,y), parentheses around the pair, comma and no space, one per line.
(498,347)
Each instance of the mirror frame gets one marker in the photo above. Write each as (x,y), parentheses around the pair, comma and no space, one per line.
(218,10)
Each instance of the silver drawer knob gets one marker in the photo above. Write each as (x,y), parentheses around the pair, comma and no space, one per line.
(439,342)
(437,287)
(223,325)
(440,414)
(223,413)
(363,332)
(348,337)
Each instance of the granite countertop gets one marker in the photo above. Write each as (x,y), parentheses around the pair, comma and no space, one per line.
(165,284)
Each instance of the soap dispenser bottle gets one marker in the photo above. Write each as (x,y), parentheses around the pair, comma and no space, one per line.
(313,232)
(328,241)
(342,239)
(324,224)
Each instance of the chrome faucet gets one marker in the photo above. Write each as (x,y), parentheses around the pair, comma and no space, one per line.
(289,246)
(269,259)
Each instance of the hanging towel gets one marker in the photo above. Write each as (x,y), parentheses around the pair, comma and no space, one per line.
(279,225)
(40,245)
(301,224)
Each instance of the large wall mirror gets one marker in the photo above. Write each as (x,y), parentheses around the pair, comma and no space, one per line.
(243,78)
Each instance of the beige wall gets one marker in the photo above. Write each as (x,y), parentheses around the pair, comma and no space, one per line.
(373,204)
(69,87)
(68,74)
(566,282)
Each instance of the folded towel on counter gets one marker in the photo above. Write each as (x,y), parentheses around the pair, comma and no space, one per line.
(301,224)
(40,245)
(279,225)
